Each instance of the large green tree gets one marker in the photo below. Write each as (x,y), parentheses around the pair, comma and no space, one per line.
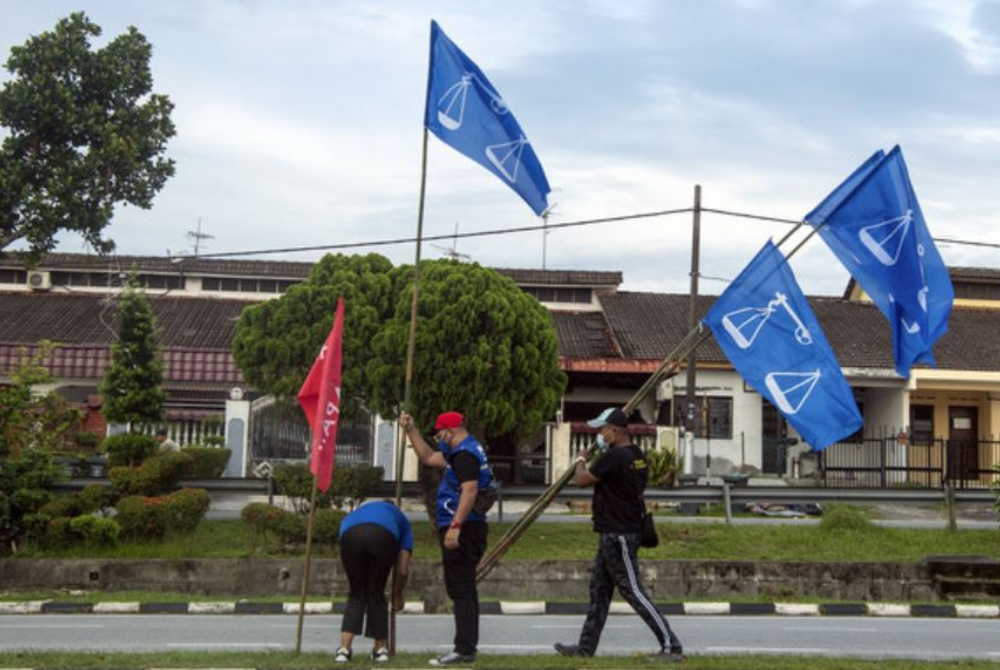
(132,387)
(84,132)
(277,341)
(484,348)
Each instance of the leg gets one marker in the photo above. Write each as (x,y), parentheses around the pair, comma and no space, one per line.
(460,583)
(352,556)
(624,568)
(601,589)
(382,551)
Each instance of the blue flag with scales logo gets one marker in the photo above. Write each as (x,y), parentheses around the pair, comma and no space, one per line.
(467,113)
(873,224)
(769,333)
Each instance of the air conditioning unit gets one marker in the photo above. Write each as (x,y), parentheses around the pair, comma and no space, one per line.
(39,280)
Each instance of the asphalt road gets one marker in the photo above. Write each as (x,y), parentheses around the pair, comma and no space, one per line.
(841,636)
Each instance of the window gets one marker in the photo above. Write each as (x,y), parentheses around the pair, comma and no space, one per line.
(210,283)
(13,277)
(921,424)
(229,284)
(285,285)
(248,286)
(716,411)
(268,286)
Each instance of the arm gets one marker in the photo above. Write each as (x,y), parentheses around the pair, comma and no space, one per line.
(583,477)
(466,501)
(402,574)
(427,456)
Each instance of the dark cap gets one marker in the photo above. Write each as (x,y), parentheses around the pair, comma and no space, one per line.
(611,415)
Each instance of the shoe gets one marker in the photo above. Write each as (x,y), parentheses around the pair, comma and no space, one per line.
(342,656)
(453,658)
(380,655)
(569,650)
(670,656)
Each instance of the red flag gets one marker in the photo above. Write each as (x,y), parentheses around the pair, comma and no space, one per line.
(320,400)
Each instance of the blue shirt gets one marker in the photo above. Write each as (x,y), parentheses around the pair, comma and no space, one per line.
(384,514)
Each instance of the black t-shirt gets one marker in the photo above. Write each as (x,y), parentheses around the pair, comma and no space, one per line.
(465,467)
(618,504)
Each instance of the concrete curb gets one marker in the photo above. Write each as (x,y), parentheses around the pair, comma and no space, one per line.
(516,608)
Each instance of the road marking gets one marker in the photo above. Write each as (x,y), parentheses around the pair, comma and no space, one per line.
(830,629)
(769,650)
(54,625)
(269,645)
(572,627)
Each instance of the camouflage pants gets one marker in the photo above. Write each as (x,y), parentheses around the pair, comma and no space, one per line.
(617,565)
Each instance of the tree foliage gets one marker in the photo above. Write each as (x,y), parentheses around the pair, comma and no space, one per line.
(84,132)
(132,386)
(484,347)
(277,341)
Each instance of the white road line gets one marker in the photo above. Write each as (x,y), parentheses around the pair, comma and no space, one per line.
(53,625)
(769,650)
(572,626)
(827,629)
(269,645)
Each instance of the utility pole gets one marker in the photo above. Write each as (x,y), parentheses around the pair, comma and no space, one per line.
(687,474)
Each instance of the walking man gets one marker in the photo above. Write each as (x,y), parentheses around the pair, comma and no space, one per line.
(619,479)
(462,530)
(373,538)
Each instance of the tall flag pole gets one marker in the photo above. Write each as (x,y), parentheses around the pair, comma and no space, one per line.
(873,224)
(319,398)
(466,112)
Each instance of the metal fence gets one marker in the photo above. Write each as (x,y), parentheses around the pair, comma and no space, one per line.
(890,463)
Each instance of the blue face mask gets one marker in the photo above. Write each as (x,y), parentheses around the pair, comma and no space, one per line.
(601,444)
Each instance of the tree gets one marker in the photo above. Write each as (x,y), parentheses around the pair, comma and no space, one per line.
(277,341)
(132,385)
(484,347)
(84,133)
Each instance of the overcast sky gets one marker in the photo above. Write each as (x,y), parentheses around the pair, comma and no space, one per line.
(299,123)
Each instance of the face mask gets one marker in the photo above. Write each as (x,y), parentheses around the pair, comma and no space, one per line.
(601,444)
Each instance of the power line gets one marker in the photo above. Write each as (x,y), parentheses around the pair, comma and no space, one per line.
(543,227)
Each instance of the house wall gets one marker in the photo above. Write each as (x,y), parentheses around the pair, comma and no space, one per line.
(887,411)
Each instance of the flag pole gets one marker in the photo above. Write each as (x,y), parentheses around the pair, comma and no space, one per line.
(411,350)
(305,567)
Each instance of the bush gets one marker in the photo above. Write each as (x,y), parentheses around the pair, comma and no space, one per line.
(206,462)
(61,506)
(23,479)
(267,521)
(129,449)
(663,464)
(326,526)
(185,509)
(95,498)
(86,440)
(845,518)
(95,530)
(158,475)
(141,518)
(352,485)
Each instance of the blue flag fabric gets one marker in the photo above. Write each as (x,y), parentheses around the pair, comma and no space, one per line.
(769,333)
(466,112)
(874,225)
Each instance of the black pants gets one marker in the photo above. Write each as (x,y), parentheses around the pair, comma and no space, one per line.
(368,552)
(617,565)
(460,582)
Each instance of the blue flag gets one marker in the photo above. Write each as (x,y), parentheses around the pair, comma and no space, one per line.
(769,333)
(874,225)
(466,112)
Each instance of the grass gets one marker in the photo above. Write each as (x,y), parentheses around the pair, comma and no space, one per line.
(311,661)
(568,541)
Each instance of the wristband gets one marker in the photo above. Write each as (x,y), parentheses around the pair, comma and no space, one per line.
(454,524)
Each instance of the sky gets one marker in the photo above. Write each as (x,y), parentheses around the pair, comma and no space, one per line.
(299,123)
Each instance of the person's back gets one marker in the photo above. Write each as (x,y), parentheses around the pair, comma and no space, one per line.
(384,514)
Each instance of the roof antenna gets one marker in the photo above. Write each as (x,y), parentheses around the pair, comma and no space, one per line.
(198,236)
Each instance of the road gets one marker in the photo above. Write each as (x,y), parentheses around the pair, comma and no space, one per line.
(910,638)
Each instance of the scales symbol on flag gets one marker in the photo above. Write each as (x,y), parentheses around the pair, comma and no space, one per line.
(744,325)
(506,157)
(451,106)
(791,389)
(885,239)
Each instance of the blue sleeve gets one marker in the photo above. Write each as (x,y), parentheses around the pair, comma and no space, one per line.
(405,531)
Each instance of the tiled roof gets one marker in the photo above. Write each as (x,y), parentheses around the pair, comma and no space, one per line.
(88,361)
(651,325)
(195,323)
(529,277)
(583,335)
(969,274)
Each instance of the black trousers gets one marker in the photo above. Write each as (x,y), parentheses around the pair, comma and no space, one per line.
(617,565)
(460,582)
(368,552)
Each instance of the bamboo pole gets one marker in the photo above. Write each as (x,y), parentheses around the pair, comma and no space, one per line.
(305,568)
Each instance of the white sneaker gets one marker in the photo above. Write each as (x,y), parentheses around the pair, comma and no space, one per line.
(453,658)
(380,655)
(342,656)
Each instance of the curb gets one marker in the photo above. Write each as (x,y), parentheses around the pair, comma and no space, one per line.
(516,608)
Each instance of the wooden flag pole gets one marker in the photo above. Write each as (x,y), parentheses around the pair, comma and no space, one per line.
(305,567)
(411,350)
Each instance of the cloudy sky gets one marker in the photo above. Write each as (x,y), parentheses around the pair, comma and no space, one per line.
(299,123)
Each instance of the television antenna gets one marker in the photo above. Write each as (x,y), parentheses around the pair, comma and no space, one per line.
(452,251)
(197,236)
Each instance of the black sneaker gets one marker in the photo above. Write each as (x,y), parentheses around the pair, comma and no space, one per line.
(670,656)
(453,658)
(569,650)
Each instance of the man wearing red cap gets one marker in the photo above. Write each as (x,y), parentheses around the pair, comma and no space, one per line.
(462,530)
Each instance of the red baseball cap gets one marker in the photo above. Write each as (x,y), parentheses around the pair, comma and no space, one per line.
(448,420)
